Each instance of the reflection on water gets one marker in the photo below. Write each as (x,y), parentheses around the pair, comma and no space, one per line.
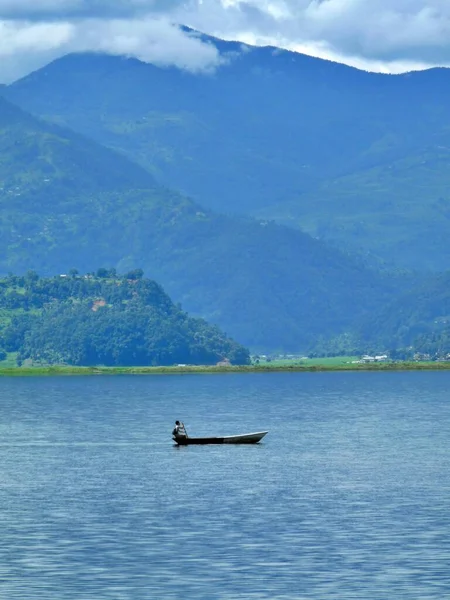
(347,497)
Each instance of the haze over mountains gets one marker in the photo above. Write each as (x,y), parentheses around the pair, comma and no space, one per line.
(69,202)
(357,160)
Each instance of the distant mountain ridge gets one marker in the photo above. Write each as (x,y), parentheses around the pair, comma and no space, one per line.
(337,152)
(66,202)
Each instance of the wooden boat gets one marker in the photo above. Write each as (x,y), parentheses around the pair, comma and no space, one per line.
(245,438)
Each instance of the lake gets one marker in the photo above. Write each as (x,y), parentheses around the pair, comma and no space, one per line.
(348,496)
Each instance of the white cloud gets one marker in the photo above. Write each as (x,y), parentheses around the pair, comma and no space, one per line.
(374,34)
(152,40)
(382,35)
(26,45)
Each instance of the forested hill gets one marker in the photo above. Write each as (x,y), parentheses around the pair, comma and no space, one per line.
(416,321)
(105,319)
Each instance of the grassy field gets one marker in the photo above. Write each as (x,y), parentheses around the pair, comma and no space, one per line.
(308,366)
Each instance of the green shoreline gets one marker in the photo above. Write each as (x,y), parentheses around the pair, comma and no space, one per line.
(175,370)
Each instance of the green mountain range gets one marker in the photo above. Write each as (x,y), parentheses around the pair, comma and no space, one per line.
(303,173)
(355,158)
(68,202)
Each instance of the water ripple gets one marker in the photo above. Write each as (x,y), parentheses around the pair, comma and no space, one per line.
(348,496)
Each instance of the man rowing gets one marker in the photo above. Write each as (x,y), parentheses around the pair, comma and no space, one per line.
(179,430)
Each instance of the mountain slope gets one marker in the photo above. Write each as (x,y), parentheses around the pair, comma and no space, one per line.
(34,152)
(399,211)
(307,142)
(261,122)
(267,285)
(418,320)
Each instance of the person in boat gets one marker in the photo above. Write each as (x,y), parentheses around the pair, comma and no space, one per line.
(179,430)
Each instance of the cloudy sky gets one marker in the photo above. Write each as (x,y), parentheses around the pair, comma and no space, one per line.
(378,35)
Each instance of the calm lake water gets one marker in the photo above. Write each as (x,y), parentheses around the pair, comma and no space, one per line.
(348,496)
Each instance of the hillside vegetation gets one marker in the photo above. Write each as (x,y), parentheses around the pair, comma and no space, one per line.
(399,211)
(68,202)
(413,323)
(106,320)
(359,159)
(416,321)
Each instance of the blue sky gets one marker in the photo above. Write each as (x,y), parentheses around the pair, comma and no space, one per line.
(378,35)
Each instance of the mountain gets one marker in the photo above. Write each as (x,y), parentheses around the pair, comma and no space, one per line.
(256,124)
(356,158)
(67,202)
(105,319)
